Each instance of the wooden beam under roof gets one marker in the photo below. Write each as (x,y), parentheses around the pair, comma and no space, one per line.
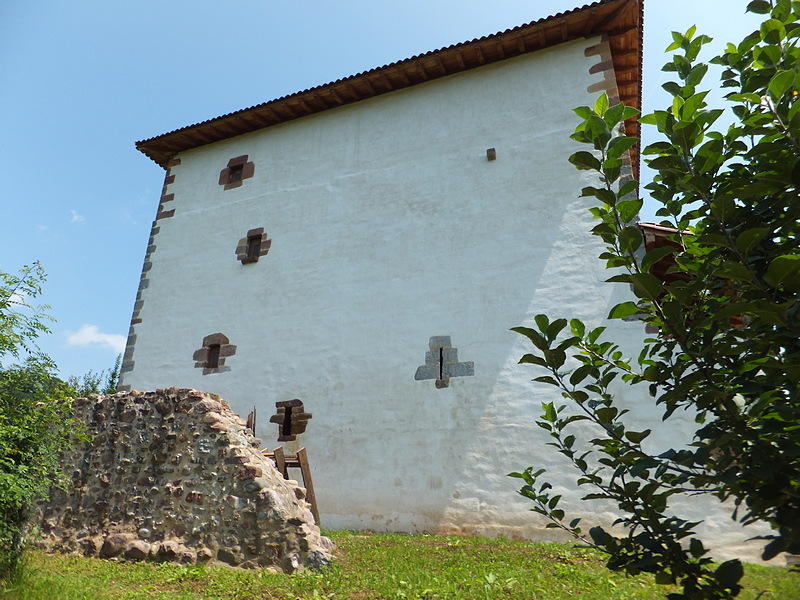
(403,77)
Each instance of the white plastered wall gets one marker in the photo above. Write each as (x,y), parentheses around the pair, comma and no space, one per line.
(390,226)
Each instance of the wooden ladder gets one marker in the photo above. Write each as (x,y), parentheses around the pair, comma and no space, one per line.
(284,462)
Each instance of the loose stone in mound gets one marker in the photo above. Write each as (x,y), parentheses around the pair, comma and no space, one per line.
(174,475)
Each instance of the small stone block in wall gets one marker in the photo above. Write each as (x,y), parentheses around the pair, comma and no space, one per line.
(150,484)
(458,369)
(249,472)
(427,372)
(439,341)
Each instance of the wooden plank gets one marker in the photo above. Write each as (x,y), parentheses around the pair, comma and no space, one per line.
(305,469)
(251,421)
(280,462)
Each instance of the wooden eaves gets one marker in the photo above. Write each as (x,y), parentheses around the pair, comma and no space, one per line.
(620,21)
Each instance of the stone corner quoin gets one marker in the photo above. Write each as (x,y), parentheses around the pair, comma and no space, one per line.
(175,476)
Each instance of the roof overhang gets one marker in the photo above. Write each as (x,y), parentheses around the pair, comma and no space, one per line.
(619,20)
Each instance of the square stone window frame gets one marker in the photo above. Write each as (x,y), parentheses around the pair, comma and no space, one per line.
(243,248)
(202,356)
(230,177)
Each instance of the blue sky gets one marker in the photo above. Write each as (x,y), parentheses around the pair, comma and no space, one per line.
(81,81)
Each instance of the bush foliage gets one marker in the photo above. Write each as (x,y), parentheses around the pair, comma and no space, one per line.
(727,313)
(34,422)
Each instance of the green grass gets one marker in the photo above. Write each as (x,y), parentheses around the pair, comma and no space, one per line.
(375,566)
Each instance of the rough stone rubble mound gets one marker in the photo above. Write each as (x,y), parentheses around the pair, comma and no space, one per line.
(174,475)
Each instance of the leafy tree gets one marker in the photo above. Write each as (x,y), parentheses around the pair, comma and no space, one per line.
(727,313)
(104,382)
(34,423)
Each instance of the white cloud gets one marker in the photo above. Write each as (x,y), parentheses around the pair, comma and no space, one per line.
(76,218)
(90,334)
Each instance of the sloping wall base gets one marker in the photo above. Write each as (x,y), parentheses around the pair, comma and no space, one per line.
(174,475)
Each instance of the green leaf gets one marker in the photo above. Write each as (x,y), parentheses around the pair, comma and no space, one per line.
(606,196)
(621,278)
(696,76)
(652,257)
(594,334)
(577,327)
(748,239)
(611,169)
(555,328)
(760,7)
(630,237)
(735,271)
(647,286)
(677,41)
(585,161)
(614,115)
(772,31)
(780,84)
(746,97)
(629,112)
(619,145)
(692,105)
(723,207)
(580,374)
(533,360)
(783,270)
(534,336)
(542,322)
(601,105)
(627,188)
(606,414)
(629,209)
(598,132)
(686,134)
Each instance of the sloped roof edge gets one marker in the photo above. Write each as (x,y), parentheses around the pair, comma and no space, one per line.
(620,21)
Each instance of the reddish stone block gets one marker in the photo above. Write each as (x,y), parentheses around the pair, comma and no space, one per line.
(249,472)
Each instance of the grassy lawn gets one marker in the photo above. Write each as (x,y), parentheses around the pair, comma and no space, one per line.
(375,566)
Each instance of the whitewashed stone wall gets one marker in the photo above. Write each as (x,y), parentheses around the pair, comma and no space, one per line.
(174,475)
(398,253)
